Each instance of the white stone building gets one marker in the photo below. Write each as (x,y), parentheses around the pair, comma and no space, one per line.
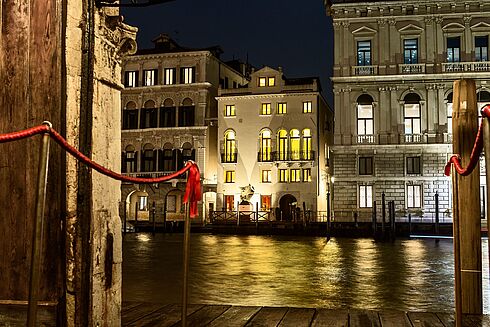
(394,67)
(273,135)
(169,116)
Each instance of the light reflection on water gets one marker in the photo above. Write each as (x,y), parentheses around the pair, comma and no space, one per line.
(415,274)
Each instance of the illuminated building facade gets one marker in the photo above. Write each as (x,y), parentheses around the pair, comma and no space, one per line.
(170,116)
(394,67)
(273,136)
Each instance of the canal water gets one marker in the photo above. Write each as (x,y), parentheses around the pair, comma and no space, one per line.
(408,274)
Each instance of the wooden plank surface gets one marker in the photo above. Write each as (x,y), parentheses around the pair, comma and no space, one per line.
(206,314)
(165,316)
(268,317)
(235,317)
(363,318)
(447,319)
(394,319)
(16,315)
(139,312)
(297,317)
(331,318)
(424,319)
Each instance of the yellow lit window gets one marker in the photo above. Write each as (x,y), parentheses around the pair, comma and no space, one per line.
(283,175)
(265,146)
(266,176)
(271,81)
(230,110)
(295,175)
(266,109)
(262,81)
(282,108)
(229,153)
(229,176)
(306,146)
(307,175)
(282,144)
(294,141)
(306,107)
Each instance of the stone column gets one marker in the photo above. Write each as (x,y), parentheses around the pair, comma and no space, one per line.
(337,49)
(383,46)
(394,114)
(430,45)
(348,117)
(430,113)
(347,40)
(468,42)
(383,113)
(337,92)
(394,46)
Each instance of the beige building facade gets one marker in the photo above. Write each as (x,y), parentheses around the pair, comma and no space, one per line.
(273,137)
(170,116)
(394,67)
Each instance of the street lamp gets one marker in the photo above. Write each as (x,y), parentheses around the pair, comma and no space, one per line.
(129,3)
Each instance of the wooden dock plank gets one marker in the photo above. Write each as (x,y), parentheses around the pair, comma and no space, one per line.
(475,321)
(139,312)
(268,317)
(128,306)
(15,314)
(424,319)
(394,319)
(235,317)
(447,319)
(330,318)
(363,318)
(165,316)
(297,317)
(206,314)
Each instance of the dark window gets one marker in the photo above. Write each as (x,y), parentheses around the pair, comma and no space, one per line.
(167,117)
(148,160)
(364,53)
(186,116)
(410,51)
(365,165)
(409,11)
(481,48)
(413,165)
(129,161)
(453,49)
(364,13)
(168,160)
(130,119)
(148,118)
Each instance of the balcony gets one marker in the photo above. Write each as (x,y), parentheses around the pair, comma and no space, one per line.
(462,67)
(365,139)
(411,68)
(413,138)
(264,157)
(229,157)
(293,156)
(153,174)
(364,70)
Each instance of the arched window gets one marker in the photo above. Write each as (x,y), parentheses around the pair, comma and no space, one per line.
(148,158)
(188,153)
(130,116)
(365,118)
(229,154)
(282,144)
(167,114)
(167,158)
(449,108)
(306,146)
(186,113)
(129,160)
(265,145)
(294,141)
(149,115)
(411,109)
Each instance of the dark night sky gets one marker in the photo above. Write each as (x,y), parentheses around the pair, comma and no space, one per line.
(296,35)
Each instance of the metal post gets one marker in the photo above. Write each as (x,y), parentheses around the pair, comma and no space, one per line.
(187,237)
(437,215)
(257,216)
(153,210)
(238,213)
(383,214)
(38,231)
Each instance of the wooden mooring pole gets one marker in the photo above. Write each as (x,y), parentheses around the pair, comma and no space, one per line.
(486,150)
(466,203)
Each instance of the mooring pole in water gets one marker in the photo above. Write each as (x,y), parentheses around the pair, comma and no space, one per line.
(125,216)
(437,216)
(467,202)
(38,230)
(457,259)
(187,238)
(486,149)
(375,224)
(383,214)
(153,212)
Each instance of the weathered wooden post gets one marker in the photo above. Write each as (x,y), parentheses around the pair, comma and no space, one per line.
(383,214)
(409,224)
(374,219)
(256,217)
(437,215)
(467,239)
(486,149)
(125,217)
(153,211)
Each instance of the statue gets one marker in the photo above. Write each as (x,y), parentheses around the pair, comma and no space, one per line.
(246,194)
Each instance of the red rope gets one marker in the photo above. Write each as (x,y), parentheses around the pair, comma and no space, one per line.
(193,188)
(475,152)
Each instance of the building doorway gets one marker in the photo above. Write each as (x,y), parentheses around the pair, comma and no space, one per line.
(287,203)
